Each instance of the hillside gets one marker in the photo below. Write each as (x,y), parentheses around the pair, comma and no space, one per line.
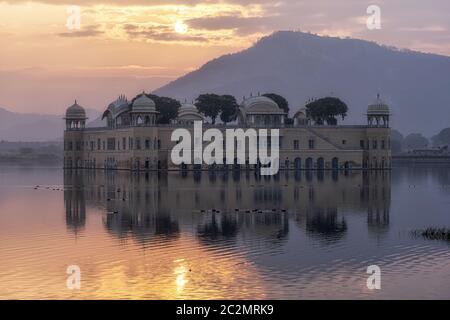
(33,127)
(300,66)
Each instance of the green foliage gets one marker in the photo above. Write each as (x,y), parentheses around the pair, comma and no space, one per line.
(415,141)
(326,110)
(209,105)
(433,233)
(280,101)
(167,108)
(229,108)
(212,105)
(442,138)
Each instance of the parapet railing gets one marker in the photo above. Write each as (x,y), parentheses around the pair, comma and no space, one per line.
(222,126)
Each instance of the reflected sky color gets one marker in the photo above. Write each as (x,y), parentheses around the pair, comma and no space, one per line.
(145,236)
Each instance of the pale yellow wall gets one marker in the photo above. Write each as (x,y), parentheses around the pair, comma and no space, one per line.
(328,143)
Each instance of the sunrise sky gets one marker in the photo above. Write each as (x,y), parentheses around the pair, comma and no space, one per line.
(130,46)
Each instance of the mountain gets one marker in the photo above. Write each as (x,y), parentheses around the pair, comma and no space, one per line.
(300,66)
(33,127)
(96,121)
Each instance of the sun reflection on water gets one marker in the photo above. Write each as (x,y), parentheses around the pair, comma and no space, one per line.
(180,271)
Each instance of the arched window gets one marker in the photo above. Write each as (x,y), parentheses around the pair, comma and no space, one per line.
(320,164)
(309,163)
(335,163)
(298,164)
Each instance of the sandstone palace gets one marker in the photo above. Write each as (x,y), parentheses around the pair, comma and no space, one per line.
(132,139)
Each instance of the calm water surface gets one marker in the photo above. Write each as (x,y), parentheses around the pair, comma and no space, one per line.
(150,236)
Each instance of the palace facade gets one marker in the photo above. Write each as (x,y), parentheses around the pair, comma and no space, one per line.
(132,140)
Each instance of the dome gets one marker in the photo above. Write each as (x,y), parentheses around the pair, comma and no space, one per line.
(261,105)
(378,107)
(188,107)
(120,102)
(189,111)
(301,113)
(143,104)
(117,107)
(76,112)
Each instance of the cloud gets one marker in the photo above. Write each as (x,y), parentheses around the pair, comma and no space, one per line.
(139,2)
(172,37)
(86,31)
(161,33)
(242,25)
(237,23)
(156,23)
(107,2)
(430,28)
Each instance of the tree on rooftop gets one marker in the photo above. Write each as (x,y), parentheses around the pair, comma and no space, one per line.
(280,101)
(209,104)
(326,110)
(166,106)
(228,108)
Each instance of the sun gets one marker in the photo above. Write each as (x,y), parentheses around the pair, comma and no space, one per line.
(180,27)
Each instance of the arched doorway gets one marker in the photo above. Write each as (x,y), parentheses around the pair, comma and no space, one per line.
(298,164)
(309,163)
(335,163)
(320,164)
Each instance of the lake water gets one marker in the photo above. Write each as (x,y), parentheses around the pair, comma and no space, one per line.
(205,236)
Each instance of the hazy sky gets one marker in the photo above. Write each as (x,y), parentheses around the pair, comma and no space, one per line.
(128,46)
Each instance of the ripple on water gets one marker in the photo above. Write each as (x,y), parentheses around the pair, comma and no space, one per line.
(242,255)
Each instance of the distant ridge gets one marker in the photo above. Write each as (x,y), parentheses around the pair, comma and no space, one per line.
(33,127)
(302,65)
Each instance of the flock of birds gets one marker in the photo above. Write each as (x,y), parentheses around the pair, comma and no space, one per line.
(48,188)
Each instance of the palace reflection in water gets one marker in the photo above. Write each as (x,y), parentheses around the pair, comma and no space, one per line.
(222,235)
(229,206)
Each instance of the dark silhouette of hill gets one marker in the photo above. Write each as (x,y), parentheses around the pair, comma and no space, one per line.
(300,66)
